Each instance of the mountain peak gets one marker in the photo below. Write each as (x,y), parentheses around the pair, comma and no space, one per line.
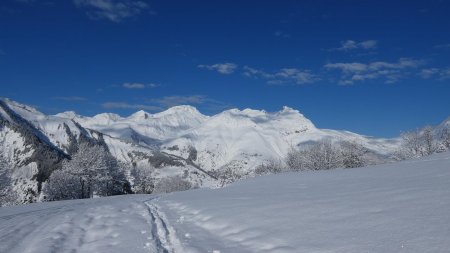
(141,114)
(289,109)
(179,109)
(68,115)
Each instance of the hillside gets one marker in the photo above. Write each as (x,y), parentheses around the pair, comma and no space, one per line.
(399,207)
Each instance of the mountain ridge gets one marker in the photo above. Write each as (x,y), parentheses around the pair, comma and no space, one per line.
(170,142)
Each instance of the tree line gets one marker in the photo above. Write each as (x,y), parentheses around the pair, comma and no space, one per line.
(92,171)
(326,154)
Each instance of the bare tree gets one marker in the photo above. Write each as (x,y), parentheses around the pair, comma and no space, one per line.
(445,137)
(91,171)
(172,184)
(143,179)
(417,143)
(8,196)
(295,160)
(269,167)
(323,156)
(62,185)
(353,154)
(411,145)
(428,141)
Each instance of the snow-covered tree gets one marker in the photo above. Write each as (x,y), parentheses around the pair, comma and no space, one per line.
(417,143)
(269,167)
(90,171)
(143,179)
(8,196)
(353,154)
(295,159)
(411,145)
(428,141)
(62,185)
(172,184)
(445,137)
(323,156)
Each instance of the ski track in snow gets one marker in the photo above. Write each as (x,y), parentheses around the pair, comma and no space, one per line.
(103,225)
(164,235)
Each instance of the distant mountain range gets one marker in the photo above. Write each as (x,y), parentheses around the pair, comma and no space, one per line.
(179,140)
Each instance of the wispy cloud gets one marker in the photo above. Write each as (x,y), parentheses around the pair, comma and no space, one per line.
(124,105)
(352,45)
(282,76)
(222,68)
(112,10)
(169,101)
(162,103)
(139,85)
(390,71)
(439,73)
(210,104)
(71,98)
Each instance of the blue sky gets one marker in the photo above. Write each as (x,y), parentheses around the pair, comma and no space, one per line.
(372,67)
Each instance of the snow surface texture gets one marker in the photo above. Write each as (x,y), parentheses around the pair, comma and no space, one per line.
(401,207)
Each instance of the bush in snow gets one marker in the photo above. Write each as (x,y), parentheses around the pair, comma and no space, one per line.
(353,154)
(172,184)
(296,159)
(418,143)
(325,154)
(269,167)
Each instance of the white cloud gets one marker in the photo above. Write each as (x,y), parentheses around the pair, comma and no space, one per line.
(112,10)
(124,105)
(169,101)
(439,73)
(252,72)
(282,76)
(351,45)
(162,103)
(139,85)
(297,75)
(222,68)
(390,71)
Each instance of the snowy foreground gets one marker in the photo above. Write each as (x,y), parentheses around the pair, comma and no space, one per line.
(403,207)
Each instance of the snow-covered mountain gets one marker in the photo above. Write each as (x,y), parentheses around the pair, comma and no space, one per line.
(175,140)
(232,139)
(33,145)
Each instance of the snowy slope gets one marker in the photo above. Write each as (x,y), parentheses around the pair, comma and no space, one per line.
(400,207)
